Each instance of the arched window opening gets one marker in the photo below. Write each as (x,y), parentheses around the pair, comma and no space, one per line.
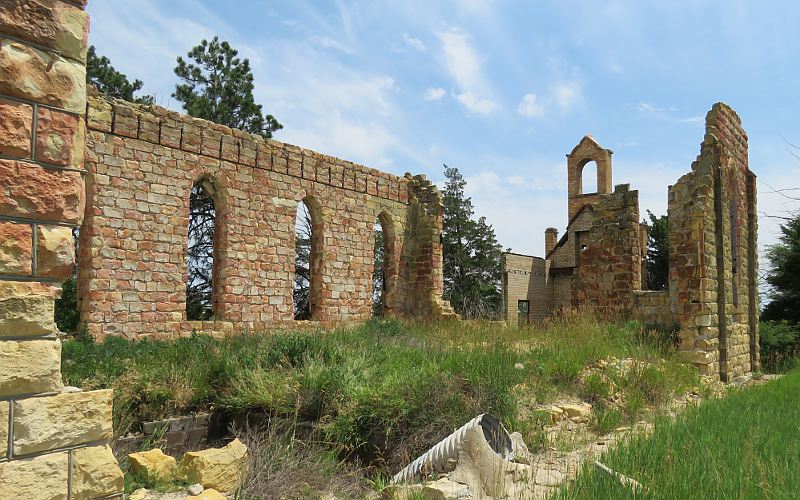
(302,264)
(589,178)
(201,251)
(379,271)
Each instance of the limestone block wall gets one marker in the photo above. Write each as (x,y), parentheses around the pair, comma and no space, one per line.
(610,258)
(653,306)
(142,163)
(525,278)
(713,252)
(53,440)
(585,151)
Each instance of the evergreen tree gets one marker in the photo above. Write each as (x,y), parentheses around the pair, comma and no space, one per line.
(101,74)
(218,87)
(471,254)
(784,278)
(657,263)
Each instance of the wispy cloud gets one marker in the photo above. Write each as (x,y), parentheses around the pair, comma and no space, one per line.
(667,113)
(568,95)
(414,43)
(476,105)
(434,93)
(327,42)
(530,106)
(463,64)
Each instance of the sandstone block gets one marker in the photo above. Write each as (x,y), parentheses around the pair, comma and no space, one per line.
(41,76)
(30,366)
(16,126)
(37,193)
(55,252)
(153,464)
(218,468)
(95,473)
(50,23)
(63,420)
(39,478)
(26,309)
(3,428)
(60,138)
(576,411)
(16,248)
(209,494)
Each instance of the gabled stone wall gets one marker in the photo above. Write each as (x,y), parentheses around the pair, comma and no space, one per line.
(713,252)
(53,440)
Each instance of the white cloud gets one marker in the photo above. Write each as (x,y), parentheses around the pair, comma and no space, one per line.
(667,113)
(530,106)
(414,43)
(567,95)
(460,59)
(476,105)
(434,93)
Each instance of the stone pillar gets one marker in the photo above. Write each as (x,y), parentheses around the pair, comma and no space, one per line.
(53,441)
(550,240)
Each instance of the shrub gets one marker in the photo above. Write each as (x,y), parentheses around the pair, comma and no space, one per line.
(780,345)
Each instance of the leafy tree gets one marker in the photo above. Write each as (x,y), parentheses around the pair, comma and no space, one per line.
(784,278)
(101,74)
(218,87)
(657,263)
(471,254)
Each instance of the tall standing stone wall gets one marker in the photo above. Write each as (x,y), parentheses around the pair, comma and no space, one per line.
(609,267)
(142,163)
(54,439)
(525,278)
(713,252)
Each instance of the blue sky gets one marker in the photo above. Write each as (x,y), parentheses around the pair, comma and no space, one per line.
(500,89)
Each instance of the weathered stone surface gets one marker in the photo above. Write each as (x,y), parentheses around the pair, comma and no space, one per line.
(39,478)
(41,76)
(55,252)
(195,489)
(16,126)
(95,473)
(38,193)
(3,428)
(63,420)
(153,464)
(16,248)
(59,138)
(50,23)
(26,309)
(218,468)
(577,412)
(30,366)
(209,494)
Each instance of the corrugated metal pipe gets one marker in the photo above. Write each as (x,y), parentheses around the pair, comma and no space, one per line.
(437,458)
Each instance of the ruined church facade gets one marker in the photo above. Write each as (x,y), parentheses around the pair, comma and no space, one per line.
(599,261)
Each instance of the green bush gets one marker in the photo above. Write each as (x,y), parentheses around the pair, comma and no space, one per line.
(780,345)
(67,316)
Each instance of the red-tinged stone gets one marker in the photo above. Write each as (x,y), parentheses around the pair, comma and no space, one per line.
(51,23)
(34,192)
(59,138)
(16,248)
(16,124)
(55,252)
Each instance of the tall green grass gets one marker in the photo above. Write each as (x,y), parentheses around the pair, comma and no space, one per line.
(743,446)
(384,391)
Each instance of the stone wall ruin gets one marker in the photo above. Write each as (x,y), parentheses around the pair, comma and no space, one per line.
(54,439)
(142,163)
(599,261)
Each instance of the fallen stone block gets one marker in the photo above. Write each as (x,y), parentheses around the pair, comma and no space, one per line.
(219,468)
(153,464)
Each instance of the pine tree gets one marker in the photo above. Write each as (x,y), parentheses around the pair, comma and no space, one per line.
(784,278)
(657,263)
(471,254)
(109,81)
(218,87)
